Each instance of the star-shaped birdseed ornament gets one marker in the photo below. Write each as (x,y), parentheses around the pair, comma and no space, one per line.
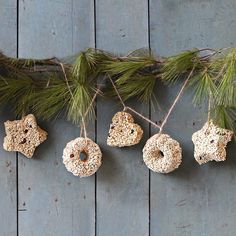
(210,143)
(23,135)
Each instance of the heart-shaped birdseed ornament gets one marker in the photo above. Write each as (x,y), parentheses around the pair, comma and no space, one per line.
(123,131)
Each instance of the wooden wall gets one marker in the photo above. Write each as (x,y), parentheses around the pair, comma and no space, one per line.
(38,197)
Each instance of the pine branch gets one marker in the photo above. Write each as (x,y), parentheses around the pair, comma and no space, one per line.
(17,93)
(50,101)
(203,85)
(139,86)
(176,66)
(226,89)
(70,91)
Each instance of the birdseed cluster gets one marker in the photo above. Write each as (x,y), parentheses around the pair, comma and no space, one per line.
(82,157)
(162,154)
(210,143)
(123,131)
(23,135)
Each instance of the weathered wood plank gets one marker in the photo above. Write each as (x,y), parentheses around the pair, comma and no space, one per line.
(61,28)
(62,203)
(193,200)
(183,24)
(8,180)
(8,18)
(123,181)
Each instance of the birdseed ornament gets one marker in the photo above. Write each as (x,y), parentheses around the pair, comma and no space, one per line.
(23,135)
(210,143)
(162,154)
(82,157)
(123,131)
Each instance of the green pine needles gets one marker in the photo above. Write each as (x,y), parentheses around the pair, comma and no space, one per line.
(50,87)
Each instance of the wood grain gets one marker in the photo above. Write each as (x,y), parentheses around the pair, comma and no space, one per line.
(122,182)
(8,163)
(51,200)
(193,200)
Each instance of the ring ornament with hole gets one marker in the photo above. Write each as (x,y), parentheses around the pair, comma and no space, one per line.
(82,157)
(123,131)
(162,154)
(210,143)
(23,135)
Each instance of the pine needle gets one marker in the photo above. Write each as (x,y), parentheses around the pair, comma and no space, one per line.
(138,86)
(176,66)
(226,90)
(51,101)
(78,105)
(124,70)
(224,117)
(49,94)
(17,92)
(203,86)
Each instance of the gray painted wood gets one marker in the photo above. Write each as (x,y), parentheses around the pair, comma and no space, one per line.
(55,28)
(8,19)
(123,180)
(51,200)
(194,200)
(8,183)
(184,24)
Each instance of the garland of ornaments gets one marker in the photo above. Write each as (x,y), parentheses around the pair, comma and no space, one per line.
(161,153)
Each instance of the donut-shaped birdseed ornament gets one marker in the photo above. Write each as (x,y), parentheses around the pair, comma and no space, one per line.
(162,154)
(210,143)
(123,131)
(82,157)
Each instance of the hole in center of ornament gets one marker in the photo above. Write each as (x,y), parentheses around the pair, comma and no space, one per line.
(161,153)
(83,156)
(26,131)
(158,154)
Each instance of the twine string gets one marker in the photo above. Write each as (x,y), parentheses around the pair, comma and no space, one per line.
(129,108)
(83,126)
(209,107)
(176,100)
(92,101)
(143,117)
(48,82)
(117,92)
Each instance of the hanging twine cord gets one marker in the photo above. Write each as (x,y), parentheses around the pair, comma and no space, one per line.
(176,99)
(83,128)
(129,108)
(168,113)
(117,92)
(209,107)
(143,117)
(98,91)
